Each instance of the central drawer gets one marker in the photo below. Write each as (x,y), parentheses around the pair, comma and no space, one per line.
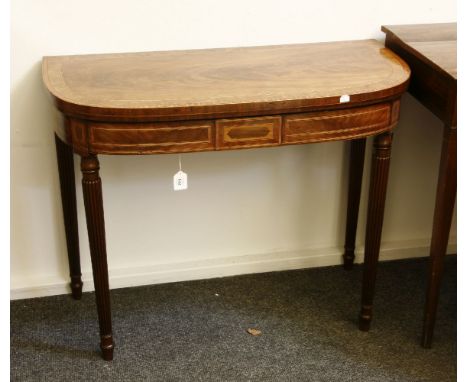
(248,132)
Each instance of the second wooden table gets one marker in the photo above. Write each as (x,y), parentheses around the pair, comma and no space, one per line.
(431,51)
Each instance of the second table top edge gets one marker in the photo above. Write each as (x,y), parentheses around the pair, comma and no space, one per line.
(405,44)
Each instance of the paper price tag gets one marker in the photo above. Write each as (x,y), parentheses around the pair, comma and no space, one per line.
(180,181)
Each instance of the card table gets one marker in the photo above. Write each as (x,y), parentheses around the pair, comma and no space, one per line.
(223,99)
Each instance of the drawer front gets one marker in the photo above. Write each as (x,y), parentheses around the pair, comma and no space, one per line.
(338,124)
(248,132)
(146,138)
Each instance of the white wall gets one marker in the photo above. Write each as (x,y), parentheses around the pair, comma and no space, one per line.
(245,211)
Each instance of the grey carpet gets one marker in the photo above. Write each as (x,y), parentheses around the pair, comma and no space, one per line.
(196,331)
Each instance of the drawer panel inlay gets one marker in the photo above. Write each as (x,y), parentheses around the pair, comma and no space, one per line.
(248,132)
(338,124)
(151,137)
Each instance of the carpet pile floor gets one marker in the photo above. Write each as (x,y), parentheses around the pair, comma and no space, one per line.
(197,330)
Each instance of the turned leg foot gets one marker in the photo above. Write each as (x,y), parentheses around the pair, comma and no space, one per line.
(76,287)
(365,318)
(107,347)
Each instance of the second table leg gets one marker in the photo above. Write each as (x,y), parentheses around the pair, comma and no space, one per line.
(68,195)
(375,214)
(445,201)
(356,166)
(92,194)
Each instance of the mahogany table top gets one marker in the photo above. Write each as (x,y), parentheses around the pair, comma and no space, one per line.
(223,82)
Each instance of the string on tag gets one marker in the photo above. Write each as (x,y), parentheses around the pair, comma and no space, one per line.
(180,163)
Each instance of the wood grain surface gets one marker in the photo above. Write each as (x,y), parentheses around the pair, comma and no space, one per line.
(150,138)
(339,124)
(223,82)
(248,132)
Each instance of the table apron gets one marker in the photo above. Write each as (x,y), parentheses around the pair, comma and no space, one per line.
(230,133)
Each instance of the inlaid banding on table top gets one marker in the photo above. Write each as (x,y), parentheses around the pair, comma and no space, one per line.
(329,125)
(223,82)
(248,132)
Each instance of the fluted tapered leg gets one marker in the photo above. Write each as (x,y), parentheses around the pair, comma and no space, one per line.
(68,192)
(92,193)
(375,214)
(356,165)
(445,201)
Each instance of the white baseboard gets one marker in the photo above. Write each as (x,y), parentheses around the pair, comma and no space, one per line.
(221,267)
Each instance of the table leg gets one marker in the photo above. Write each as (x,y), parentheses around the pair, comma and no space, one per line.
(68,193)
(445,201)
(375,213)
(92,193)
(356,165)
